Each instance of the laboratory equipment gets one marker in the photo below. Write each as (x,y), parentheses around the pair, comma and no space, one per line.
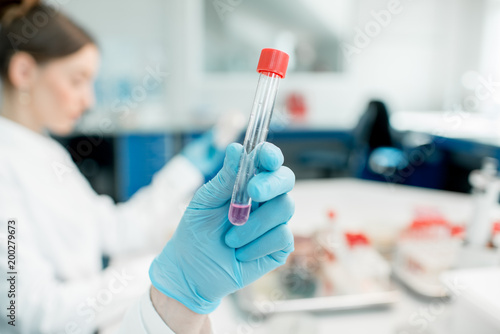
(426,249)
(315,279)
(300,277)
(367,269)
(272,67)
(486,188)
(495,240)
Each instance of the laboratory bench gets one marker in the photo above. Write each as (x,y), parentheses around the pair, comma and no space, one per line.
(382,210)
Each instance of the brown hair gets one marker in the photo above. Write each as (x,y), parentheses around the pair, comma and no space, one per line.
(37,29)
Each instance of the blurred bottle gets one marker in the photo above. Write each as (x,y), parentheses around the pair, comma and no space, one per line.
(330,236)
(495,235)
(485,191)
(367,268)
(331,250)
(496,239)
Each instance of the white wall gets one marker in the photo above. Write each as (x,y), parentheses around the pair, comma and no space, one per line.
(418,59)
(133,29)
(490,54)
(415,63)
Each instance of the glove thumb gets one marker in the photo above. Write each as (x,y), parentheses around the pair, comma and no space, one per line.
(218,191)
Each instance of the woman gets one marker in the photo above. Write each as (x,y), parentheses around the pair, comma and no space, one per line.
(47,64)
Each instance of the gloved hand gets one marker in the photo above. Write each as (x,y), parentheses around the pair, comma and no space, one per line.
(209,258)
(204,154)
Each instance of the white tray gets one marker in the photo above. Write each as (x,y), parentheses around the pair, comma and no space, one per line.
(246,302)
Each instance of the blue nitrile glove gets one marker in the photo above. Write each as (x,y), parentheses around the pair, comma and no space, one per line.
(203,153)
(209,258)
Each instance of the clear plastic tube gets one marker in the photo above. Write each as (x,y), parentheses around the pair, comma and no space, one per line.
(258,127)
(272,67)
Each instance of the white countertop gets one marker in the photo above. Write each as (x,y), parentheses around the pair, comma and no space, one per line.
(480,128)
(371,205)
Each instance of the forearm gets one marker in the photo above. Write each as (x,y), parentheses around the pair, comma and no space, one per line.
(158,206)
(178,317)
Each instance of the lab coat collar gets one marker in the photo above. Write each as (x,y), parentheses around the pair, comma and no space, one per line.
(16,135)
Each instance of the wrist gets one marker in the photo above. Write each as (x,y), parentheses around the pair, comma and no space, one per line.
(177,316)
(168,276)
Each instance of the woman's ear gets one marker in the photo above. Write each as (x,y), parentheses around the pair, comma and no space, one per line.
(22,70)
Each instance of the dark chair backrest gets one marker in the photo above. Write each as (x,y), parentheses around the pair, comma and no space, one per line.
(373,129)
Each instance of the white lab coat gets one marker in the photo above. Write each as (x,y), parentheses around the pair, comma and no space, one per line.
(64,227)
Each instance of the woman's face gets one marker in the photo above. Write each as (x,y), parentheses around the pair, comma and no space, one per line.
(63,90)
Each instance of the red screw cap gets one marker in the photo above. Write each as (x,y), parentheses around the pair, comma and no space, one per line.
(274,61)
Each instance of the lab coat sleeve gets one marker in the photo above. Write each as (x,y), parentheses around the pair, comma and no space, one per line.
(142,318)
(44,302)
(144,221)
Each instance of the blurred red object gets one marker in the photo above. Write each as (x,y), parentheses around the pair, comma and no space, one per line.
(356,239)
(496,228)
(296,106)
(430,224)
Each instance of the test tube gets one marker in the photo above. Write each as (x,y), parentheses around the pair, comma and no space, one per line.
(272,67)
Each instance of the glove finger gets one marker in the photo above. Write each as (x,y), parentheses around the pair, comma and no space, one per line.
(270,157)
(267,185)
(217,191)
(253,270)
(277,239)
(262,220)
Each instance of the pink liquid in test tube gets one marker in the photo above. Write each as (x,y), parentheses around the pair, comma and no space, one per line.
(238,214)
